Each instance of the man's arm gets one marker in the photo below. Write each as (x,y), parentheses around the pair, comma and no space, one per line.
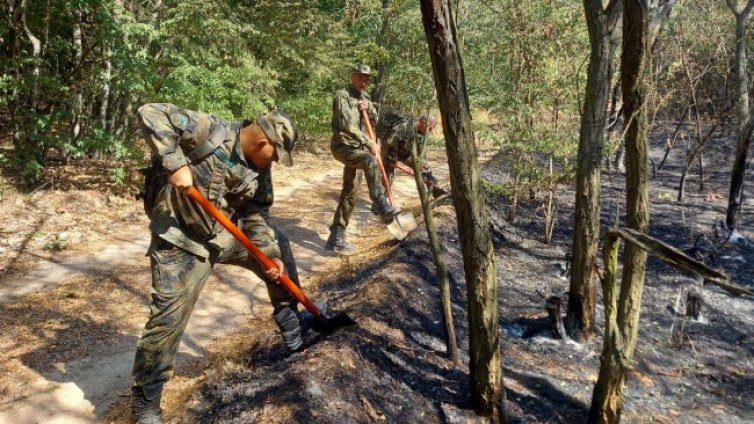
(160,134)
(163,139)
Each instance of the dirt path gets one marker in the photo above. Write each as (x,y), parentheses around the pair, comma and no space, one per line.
(72,359)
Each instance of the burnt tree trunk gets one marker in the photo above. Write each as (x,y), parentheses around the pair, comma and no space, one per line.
(694,304)
(485,367)
(600,23)
(553,306)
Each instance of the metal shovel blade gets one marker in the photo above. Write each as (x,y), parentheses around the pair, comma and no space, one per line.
(402,225)
(327,324)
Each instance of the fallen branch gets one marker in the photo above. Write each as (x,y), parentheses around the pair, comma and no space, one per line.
(678,259)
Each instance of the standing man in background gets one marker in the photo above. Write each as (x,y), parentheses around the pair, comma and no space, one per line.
(351,145)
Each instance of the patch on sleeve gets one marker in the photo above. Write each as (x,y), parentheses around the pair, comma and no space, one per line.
(179,120)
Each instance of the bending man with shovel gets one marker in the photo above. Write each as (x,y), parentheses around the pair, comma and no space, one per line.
(214,169)
(355,147)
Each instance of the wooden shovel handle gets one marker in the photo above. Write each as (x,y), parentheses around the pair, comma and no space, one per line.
(263,260)
(373,137)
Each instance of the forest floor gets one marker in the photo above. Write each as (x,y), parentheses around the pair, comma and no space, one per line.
(74,288)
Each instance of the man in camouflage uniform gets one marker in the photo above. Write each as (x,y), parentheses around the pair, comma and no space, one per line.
(397,132)
(351,145)
(230,164)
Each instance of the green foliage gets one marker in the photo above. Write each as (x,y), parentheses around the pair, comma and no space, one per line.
(525,65)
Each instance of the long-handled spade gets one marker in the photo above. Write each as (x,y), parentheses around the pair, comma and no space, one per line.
(323,323)
(404,222)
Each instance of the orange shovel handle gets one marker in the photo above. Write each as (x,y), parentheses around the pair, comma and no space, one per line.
(263,260)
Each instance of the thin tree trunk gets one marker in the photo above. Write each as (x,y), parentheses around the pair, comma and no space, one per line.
(743,136)
(580,314)
(78,96)
(740,85)
(735,196)
(487,392)
(378,93)
(103,109)
(451,346)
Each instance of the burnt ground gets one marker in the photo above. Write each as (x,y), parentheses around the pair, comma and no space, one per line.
(391,368)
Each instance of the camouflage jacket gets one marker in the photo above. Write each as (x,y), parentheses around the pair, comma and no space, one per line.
(241,191)
(397,132)
(347,127)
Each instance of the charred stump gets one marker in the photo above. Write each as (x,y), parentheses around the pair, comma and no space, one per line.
(553,306)
(694,300)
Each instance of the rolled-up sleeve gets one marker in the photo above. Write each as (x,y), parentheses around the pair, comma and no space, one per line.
(161,135)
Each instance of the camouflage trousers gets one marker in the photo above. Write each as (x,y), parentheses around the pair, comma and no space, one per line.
(355,159)
(177,279)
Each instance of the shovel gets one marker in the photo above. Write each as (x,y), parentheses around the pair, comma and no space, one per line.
(323,323)
(403,223)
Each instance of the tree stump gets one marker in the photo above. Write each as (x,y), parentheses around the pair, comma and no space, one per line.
(553,305)
(694,301)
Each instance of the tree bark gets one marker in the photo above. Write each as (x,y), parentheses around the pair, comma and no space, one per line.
(607,398)
(451,346)
(741,87)
(738,174)
(379,81)
(600,23)
(485,365)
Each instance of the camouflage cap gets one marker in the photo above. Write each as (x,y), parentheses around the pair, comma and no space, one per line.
(361,68)
(280,129)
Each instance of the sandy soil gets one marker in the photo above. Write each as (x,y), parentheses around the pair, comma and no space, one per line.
(75,284)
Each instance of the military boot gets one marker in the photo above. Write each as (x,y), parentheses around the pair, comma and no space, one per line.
(385,210)
(438,191)
(145,403)
(337,240)
(290,328)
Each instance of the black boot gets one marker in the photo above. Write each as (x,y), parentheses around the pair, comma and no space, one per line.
(337,240)
(438,191)
(145,403)
(385,210)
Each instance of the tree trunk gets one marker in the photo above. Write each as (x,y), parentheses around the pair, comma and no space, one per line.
(735,196)
(607,398)
(739,72)
(485,365)
(580,314)
(608,391)
(743,136)
(451,346)
(379,81)
(78,96)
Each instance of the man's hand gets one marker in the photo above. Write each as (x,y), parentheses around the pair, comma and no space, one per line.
(275,273)
(363,105)
(181,179)
(374,149)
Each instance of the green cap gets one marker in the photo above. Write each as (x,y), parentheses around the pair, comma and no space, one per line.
(280,129)
(361,68)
